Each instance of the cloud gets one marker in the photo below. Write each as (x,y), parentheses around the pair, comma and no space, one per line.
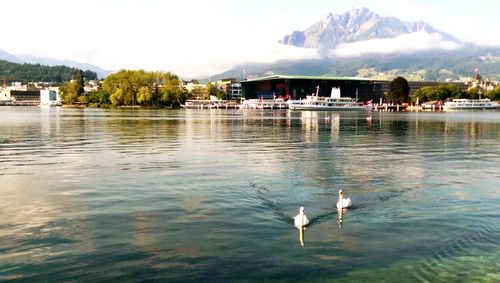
(417,41)
(192,60)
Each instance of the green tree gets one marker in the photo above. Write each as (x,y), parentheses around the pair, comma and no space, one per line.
(494,94)
(117,97)
(78,83)
(473,93)
(98,97)
(439,92)
(212,89)
(399,91)
(72,92)
(199,92)
(83,99)
(144,95)
(145,88)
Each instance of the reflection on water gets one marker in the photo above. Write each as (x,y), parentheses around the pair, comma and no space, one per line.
(340,214)
(114,195)
(301,235)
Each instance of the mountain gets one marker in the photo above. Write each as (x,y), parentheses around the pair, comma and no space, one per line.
(363,44)
(101,73)
(434,65)
(355,25)
(39,73)
(9,57)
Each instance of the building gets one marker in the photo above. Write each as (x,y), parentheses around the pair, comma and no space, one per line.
(224,84)
(197,91)
(235,91)
(230,86)
(481,84)
(5,95)
(91,85)
(49,97)
(28,97)
(297,87)
(191,85)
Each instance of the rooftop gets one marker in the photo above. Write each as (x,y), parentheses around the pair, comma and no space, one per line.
(281,77)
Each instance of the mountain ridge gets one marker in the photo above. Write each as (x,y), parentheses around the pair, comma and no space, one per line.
(30,59)
(363,44)
(353,26)
(26,72)
(432,65)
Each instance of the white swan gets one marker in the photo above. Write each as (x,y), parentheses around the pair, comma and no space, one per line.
(301,219)
(343,202)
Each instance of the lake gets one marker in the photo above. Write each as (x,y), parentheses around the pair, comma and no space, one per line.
(209,195)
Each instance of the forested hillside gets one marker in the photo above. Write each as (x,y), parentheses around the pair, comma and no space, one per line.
(39,73)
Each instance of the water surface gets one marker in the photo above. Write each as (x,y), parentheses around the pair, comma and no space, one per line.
(190,195)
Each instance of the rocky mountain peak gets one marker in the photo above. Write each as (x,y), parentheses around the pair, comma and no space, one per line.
(354,25)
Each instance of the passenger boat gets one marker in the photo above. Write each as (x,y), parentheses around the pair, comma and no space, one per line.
(334,102)
(470,104)
(264,104)
(197,104)
(210,104)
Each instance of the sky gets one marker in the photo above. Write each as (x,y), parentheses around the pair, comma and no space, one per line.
(206,37)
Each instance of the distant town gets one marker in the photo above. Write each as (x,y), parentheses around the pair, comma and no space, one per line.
(157,89)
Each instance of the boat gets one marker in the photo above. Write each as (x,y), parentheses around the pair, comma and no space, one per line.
(197,104)
(277,103)
(334,102)
(470,104)
(209,104)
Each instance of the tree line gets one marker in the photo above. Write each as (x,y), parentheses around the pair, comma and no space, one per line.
(129,88)
(399,91)
(450,91)
(40,73)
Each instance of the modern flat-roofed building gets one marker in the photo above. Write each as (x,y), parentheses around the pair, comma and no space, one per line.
(297,87)
(26,97)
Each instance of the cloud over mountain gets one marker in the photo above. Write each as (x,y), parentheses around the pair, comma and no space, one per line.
(362,43)
(407,43)
(363,25)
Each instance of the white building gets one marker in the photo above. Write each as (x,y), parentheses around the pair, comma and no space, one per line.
(5,95)
(49,97)
(190,85)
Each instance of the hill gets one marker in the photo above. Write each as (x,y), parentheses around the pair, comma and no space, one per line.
(101,73)
(39,73)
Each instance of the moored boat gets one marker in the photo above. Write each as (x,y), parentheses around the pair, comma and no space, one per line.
(264,104)
(470,104)
(334,102)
